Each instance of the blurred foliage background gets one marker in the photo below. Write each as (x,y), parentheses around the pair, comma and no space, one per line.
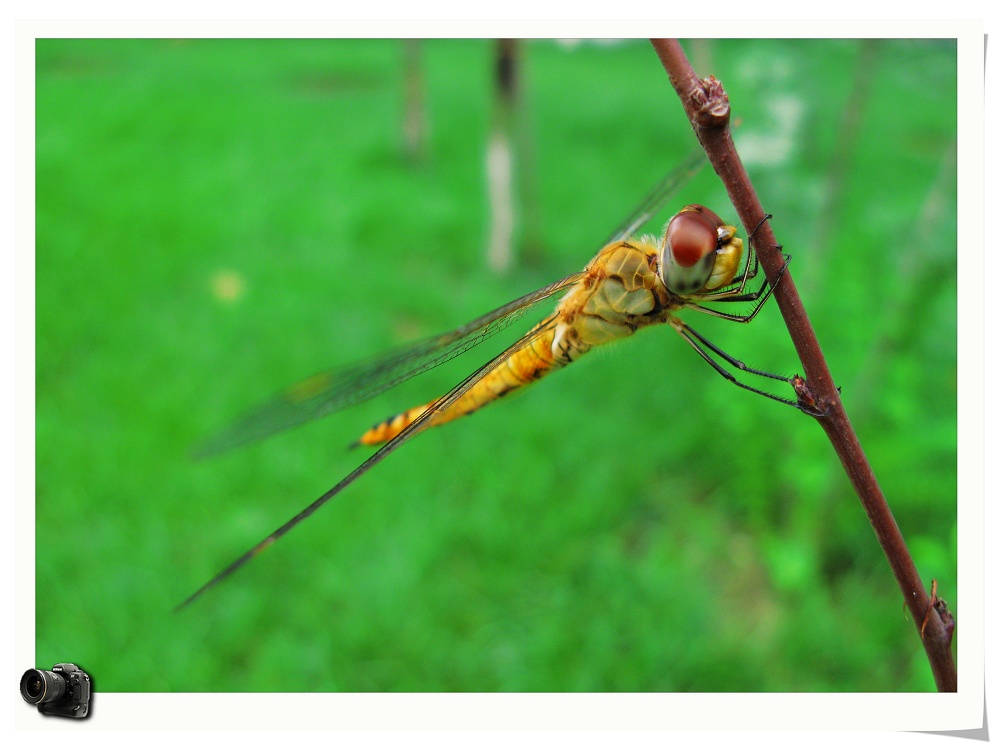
(219,218)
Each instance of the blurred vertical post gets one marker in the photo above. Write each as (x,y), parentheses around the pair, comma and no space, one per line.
(510,165)
(527,182)
(414,118)
(500,157)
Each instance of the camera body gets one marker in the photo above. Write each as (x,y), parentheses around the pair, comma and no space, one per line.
(62,691)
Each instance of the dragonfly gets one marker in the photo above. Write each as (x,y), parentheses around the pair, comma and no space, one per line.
(631,283)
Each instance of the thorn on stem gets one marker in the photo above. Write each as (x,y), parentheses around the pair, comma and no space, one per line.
(806,401)
(940,606)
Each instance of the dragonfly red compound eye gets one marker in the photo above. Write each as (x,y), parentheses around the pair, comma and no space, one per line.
(689,246)
(691,235)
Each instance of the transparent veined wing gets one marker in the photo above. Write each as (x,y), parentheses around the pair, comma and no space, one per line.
(662,192)
(333,390)
(415,427)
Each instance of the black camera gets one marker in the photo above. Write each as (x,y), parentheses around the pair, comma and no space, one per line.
(63,691)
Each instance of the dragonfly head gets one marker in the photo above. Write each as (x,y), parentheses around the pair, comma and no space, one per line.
(699,253)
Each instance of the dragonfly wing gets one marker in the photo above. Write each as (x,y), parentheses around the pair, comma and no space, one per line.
(333,390)
(658,197)
(411,430)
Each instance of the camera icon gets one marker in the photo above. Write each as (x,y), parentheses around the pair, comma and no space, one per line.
(62,691)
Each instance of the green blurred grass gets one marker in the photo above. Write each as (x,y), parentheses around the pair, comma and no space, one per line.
(633,523)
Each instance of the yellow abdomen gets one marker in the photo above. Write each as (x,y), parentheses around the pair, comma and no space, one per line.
(522,368)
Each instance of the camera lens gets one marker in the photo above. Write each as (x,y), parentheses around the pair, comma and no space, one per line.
(42,686)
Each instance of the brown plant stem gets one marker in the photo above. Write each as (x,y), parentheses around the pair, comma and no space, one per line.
(707,107)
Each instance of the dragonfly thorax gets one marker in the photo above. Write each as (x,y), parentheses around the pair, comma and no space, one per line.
(698,252)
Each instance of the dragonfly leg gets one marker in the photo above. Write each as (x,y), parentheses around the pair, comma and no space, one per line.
(759,297)
(700,344)
(767,218)
(734,292)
